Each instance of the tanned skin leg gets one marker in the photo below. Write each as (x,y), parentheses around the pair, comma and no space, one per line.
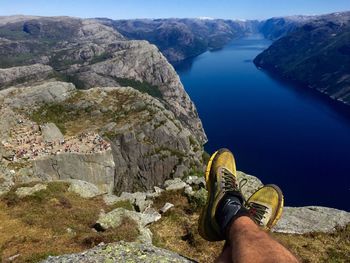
(252,245)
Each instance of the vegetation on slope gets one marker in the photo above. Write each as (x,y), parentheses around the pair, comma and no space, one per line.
(53,222)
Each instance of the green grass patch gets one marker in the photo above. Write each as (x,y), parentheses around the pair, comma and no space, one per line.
(122,204)
(143,87)
(99,58)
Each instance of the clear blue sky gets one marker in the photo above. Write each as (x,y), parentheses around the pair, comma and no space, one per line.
(120,9)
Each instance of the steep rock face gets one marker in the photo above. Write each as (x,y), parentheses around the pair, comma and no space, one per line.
(140,61)
(179,39)
(96,168)
(146,143)
(315,55)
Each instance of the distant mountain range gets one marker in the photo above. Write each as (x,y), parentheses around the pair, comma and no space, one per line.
(314,53)
(310,50)
(179,39)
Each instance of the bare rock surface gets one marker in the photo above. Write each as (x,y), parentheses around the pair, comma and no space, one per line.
(51,133)
(114,218)
(249,184)
(300,220)
(175,184)
(83,189)
(96,168)
(18,75)
(122,252)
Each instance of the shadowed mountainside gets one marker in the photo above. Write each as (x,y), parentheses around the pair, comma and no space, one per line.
(316,55)
(179,39)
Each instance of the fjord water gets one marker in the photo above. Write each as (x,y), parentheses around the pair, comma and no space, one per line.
(286,135)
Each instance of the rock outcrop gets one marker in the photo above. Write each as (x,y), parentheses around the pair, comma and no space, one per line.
(301,220)
(96,168)
(122,252)
(146,144)
(24,74)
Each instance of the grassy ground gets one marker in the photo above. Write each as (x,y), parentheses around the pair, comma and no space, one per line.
(53,222)
(177,231)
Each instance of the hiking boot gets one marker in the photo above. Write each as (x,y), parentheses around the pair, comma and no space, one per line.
(265,206)
(224,202)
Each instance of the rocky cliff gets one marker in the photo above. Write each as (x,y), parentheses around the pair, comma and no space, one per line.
(315,55)
(144,143)
(72,74)
(88,53)
(179,39)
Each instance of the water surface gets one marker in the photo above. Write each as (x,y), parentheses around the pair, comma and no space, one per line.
(286,135)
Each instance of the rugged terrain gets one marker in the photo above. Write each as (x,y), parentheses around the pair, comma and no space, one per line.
(179,39)
(315,54)
(144,226)
(101,149)
(68,73)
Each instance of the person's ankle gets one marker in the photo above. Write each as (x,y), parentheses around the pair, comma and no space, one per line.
(229,209)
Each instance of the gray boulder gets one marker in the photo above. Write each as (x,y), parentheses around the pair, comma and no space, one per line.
(51,133)
(83,189)
(196,181)
(175,184)
(114,219)
(249,184)
(121,252)
(300,220)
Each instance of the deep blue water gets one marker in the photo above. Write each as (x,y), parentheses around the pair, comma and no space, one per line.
(290,136)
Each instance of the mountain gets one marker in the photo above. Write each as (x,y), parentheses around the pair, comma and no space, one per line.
(179,39)
(277,27)
(89,84)
(315,54)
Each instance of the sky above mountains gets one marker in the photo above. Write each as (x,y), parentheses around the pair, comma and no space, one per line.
(123,9)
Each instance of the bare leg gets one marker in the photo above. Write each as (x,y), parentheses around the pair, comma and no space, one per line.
(226,255)
(251,244)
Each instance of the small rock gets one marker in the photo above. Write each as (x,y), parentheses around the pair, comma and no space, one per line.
(150,215)
(110,199)
(142,205)
(195,180)
(252,184)
(13,257)
(114,219)
(176,184)
(51,133)
(157,192)
(84,189)
(189,191)
(166,207)
(27,191)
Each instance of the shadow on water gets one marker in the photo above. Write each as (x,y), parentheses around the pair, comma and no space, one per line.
(185,65)
(305,92)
